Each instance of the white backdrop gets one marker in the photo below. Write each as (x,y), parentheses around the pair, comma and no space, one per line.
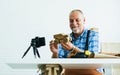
(22,20)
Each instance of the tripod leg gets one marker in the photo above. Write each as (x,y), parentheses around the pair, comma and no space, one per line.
(26,51)
(34,51)
(37,52)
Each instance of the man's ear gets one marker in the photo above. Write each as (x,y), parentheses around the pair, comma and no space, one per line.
(84,20)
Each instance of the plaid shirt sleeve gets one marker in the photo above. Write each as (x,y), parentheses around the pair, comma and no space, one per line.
(94,41)
(61,52)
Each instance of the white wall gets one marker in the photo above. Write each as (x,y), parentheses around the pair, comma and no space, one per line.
(22,20)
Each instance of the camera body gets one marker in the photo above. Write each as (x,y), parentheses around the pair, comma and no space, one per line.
(38,41)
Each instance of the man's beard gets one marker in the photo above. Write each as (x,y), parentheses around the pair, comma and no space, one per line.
(76,30)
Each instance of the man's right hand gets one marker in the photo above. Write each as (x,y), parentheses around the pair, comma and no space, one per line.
(53,47)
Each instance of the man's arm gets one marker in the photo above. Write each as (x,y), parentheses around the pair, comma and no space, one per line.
(54,55)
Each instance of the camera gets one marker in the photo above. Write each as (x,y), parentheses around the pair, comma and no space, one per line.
(35,43)
(38,41)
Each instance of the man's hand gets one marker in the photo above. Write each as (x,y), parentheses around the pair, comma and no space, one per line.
(53,47)
(66,45)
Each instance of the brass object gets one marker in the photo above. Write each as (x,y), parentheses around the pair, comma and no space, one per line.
(66,38)
(72,54)
(50,69)
(87,53)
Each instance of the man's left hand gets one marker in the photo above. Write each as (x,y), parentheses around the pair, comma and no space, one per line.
(66,45)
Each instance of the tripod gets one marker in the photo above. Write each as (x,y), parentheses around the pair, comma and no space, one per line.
(35,50)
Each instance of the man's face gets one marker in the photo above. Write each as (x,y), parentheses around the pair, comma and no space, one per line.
(76,22)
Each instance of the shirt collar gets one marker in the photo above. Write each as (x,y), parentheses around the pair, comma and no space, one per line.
(80,36)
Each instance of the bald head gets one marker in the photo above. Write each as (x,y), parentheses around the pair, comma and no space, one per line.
(77,21)
(76,11)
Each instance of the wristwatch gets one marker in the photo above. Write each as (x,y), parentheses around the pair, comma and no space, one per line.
(72,50)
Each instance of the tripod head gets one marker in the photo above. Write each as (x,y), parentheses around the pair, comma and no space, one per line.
(35,43)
